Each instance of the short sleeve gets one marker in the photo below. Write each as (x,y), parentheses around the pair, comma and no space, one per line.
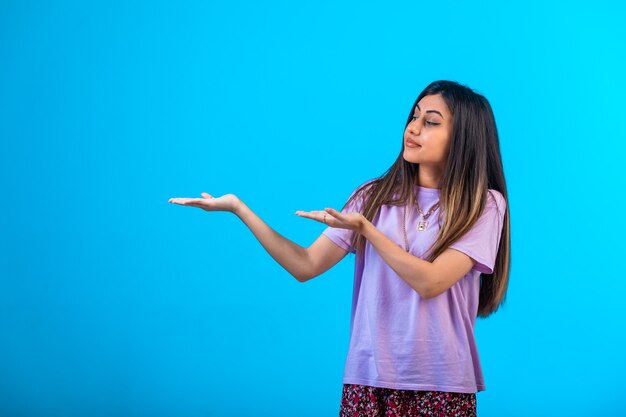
(343,237)
(481,242)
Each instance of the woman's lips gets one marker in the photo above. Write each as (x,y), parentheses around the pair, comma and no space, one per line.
(411,144)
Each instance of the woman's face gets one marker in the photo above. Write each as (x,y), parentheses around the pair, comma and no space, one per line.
(431,130)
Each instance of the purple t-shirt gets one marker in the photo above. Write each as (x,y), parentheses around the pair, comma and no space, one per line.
(398,339)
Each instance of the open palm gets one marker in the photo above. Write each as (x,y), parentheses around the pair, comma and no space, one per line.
(334,218)
(227,202)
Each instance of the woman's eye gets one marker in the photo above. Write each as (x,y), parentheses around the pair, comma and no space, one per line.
(428,122)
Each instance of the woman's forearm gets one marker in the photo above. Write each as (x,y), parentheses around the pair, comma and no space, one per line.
(413,270)
(291,256)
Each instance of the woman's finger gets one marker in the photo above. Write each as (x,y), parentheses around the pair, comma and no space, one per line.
(187,200)
(307,214)
(177,200)
(315,214)
(302,213)
(183,201)
(334,213)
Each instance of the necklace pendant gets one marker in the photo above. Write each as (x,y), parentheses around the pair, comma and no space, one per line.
(421,225)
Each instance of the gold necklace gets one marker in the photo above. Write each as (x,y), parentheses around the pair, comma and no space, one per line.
(421,224)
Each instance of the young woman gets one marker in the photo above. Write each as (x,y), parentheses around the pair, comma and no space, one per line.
(432,243)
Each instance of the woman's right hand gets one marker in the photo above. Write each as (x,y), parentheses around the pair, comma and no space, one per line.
(227,202)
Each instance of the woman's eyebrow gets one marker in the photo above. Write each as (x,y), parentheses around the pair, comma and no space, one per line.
(429,111)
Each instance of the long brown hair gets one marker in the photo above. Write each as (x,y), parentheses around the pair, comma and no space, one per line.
(473,166)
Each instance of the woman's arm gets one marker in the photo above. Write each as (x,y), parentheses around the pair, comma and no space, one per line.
(303,263)
(429,279)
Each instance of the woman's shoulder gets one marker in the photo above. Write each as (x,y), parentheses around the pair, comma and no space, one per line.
(495,199)
(368,182)
(364,186)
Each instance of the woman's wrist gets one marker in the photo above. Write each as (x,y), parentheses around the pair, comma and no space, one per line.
(363,223)
(237,206)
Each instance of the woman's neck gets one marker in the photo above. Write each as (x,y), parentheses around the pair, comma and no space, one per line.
(428,177)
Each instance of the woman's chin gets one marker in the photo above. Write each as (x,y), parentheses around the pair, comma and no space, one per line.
(410,158)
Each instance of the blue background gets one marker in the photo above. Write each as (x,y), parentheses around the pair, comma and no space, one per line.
(115,302)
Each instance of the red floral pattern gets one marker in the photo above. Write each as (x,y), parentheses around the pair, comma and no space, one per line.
(366,401)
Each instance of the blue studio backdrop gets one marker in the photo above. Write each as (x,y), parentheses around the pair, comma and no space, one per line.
(114,302)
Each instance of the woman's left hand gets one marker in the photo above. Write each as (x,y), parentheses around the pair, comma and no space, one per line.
(333,218)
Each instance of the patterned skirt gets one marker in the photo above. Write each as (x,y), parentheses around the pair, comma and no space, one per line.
(366,401)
